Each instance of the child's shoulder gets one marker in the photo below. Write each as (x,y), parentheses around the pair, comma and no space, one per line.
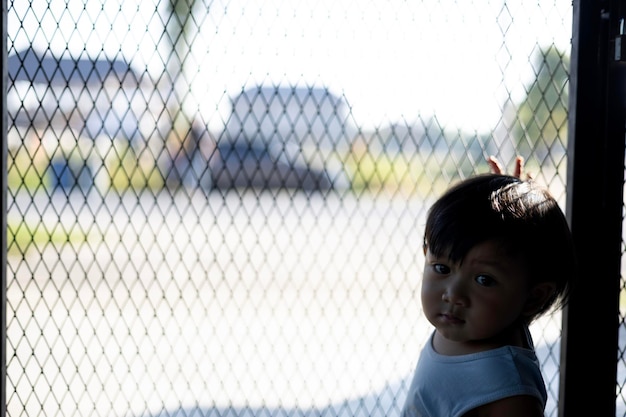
(518,405)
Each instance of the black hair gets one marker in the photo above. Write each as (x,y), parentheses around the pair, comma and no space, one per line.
(520,215)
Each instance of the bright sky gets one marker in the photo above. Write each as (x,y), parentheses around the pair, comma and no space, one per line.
(392,60)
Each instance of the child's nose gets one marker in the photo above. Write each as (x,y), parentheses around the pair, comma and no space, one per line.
(455,293)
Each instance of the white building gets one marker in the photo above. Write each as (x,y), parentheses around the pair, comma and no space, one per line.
(79,109)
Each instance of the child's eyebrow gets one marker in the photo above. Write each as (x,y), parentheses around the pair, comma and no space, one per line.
(488,262)
(494,262)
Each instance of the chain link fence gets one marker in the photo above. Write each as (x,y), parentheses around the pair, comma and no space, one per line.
(216,208)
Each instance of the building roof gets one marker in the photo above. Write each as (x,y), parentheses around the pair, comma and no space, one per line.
(36,67)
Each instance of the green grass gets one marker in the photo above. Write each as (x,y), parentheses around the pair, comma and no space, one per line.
(400,175)
(23,237)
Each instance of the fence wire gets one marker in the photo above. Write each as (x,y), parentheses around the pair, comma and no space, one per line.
(216,208)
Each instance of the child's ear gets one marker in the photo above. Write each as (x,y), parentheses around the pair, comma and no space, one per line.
(540,294)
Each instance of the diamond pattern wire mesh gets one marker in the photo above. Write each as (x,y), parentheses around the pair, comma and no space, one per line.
(205,219)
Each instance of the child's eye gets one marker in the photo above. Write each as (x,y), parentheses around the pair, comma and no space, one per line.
(441,269)
(485,280)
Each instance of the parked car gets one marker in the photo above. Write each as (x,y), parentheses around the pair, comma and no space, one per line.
(308,116)
(249,164)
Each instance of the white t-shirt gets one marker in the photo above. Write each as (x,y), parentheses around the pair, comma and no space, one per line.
(450,386)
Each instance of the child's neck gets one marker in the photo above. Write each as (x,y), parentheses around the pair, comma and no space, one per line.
(515,335)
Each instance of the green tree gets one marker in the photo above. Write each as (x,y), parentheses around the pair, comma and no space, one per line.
(541,118)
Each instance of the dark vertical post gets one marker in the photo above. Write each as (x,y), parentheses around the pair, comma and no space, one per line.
(594,209)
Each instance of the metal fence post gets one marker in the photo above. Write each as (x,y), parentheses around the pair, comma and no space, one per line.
(594,208)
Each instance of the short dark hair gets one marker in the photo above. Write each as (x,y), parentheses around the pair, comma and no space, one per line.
(524,217)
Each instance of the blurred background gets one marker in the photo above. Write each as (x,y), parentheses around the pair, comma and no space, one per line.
(216,208)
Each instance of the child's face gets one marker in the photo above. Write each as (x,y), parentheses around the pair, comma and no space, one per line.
(475,300)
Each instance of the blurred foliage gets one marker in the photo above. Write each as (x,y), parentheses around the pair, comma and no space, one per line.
(26,168)
(127,171)
(542,115)
(24,236)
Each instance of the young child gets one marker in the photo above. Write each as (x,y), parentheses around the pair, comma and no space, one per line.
(499,254)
